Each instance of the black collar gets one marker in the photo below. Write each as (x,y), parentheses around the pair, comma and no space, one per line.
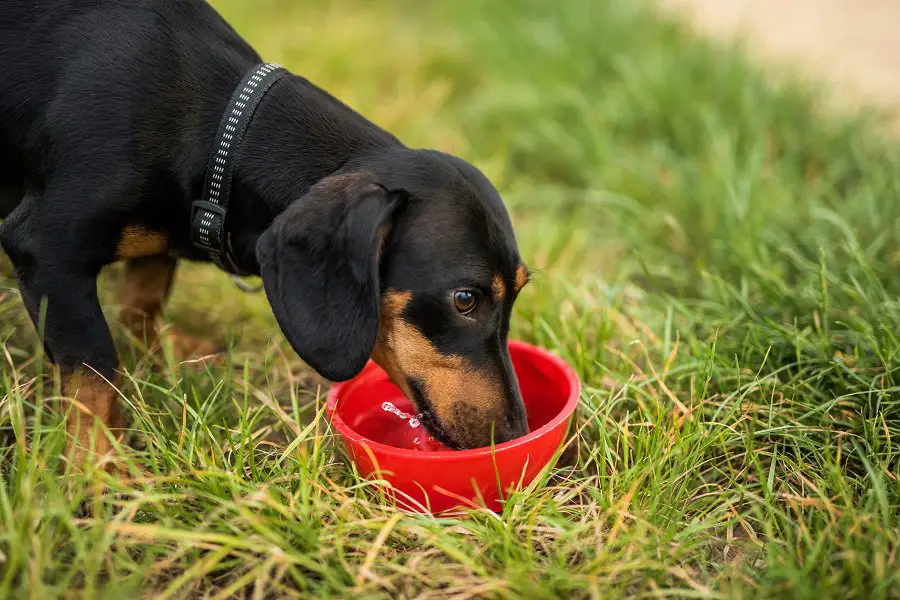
(208,214)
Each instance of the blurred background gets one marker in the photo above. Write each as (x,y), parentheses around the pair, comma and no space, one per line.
(635,157)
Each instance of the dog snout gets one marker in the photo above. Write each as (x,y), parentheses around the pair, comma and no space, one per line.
(491,413)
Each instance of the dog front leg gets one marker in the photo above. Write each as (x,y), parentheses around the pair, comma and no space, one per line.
(61,298)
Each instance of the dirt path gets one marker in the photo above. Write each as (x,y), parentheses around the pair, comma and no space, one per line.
(853,44)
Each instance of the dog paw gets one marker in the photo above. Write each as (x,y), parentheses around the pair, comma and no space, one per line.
(168,342)
(189,348)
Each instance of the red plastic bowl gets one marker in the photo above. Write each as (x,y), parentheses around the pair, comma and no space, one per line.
(435,481)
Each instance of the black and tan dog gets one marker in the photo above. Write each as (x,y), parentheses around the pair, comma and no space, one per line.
(367,249)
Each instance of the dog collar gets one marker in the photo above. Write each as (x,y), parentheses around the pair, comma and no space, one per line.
(208,214)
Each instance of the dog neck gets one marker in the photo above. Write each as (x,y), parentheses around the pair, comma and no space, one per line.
(299,135)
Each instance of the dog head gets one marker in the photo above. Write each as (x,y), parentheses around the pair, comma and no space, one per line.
(409,258)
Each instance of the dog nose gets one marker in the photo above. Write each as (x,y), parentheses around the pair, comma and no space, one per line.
(480,430)
(516,425)
(512,425)
(519,426)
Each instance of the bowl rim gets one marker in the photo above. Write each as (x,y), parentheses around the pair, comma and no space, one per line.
(545,355)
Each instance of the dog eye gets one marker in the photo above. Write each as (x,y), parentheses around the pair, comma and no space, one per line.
(465,301)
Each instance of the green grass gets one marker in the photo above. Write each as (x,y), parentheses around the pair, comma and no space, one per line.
(715,255)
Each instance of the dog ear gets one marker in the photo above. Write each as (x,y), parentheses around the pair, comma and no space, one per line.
(319,265)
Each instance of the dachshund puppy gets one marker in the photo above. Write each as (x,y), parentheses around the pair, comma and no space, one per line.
(117,116)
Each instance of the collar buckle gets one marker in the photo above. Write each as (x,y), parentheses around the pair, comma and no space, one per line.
(208,226)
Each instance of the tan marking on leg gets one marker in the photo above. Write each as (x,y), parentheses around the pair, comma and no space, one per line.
(498,288)
(521,277)
(143,290)
(462,396)
(136,241)
(93,401)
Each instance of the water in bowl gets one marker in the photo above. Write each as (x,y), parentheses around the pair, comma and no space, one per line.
(393,423)
(392,419)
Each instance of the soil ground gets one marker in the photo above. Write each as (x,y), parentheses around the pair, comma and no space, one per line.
(850,44)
